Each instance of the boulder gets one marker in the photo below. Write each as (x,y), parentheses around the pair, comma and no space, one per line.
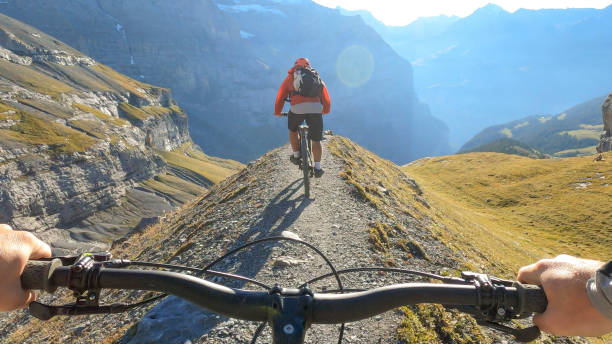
(605,143)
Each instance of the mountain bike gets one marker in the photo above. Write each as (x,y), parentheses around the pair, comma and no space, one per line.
(289,312)
(306,164)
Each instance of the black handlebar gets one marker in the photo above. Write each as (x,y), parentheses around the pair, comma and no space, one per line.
(261,306)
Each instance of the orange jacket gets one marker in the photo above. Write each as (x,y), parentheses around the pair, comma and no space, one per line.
(287,89)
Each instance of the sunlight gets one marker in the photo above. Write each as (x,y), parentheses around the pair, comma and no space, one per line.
(355,66)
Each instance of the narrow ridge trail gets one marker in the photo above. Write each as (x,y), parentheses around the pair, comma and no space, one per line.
(363,212)
(334,219)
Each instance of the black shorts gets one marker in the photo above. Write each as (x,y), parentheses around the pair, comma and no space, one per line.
(314,121)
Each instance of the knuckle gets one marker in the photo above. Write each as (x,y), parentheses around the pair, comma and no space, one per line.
(27,237)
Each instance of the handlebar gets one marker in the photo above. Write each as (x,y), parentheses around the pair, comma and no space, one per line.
(498,302)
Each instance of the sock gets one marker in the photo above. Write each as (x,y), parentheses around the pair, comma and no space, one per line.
(296,154)
(317,165)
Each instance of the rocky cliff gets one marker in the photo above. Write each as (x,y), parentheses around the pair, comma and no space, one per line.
(225,60)
(76,137)
(605,143)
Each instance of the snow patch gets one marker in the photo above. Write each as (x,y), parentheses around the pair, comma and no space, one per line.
(251,8)
(246,35)
(118,27)
(132,60)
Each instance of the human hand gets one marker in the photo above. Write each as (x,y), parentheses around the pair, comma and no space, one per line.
(278,114)
(16,248)
(569,311)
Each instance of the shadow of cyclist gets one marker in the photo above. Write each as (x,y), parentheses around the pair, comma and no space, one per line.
(278,216)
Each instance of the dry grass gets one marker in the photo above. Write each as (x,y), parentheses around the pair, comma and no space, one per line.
(32,79)
(509,210)
(213,169)
(34,131)
(101,115)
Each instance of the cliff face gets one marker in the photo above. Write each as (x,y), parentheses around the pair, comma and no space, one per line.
(75,136)
(605,143)
(225,61)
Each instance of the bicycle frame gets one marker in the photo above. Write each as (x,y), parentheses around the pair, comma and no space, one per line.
(306,153)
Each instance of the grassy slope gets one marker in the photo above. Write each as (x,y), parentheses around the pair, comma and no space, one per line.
(511,210)
(194,160)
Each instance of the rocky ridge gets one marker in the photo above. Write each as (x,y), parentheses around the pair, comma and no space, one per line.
(364,211)
(605,143)
(76,137)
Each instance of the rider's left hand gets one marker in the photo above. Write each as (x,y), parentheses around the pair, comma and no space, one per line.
(15,249)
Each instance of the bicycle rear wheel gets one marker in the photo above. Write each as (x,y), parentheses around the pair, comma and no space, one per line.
(305,165)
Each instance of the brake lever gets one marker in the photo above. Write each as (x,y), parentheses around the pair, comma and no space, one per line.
(87,300)
(485,317)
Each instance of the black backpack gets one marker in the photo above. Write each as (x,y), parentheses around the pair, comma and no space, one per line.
(307,82)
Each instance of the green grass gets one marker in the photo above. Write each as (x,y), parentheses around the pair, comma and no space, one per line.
(34,131)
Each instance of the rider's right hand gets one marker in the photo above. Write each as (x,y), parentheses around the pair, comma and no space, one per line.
(569,311)
(16,248)
(278,114)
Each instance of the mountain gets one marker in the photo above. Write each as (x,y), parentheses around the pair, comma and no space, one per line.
(494,66)
(85,152)
(508,146)
(224,61)
(572,132)
(365,211)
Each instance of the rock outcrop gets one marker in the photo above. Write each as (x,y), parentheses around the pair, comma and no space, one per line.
(605,143)
(75,136)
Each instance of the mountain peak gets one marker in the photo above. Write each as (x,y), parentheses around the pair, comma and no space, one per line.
(490,9)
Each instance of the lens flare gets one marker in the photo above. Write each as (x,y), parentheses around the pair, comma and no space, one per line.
(355,66)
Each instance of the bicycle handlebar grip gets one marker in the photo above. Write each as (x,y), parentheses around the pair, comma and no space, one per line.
(38,275)
(531,299)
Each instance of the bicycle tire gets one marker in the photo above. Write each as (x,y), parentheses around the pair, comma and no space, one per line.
(305,165)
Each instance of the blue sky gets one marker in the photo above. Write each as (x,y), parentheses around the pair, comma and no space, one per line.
(402,12)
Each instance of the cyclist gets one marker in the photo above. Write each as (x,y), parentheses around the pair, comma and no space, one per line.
(303,108)
(16,248)
(579,293)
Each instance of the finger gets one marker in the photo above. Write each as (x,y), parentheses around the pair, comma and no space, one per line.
(529,274)
(4,227)
(544,323)
(40,250)
(36,248)
(31,297)
(15,297)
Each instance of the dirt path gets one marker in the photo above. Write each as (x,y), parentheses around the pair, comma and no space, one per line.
(332,219)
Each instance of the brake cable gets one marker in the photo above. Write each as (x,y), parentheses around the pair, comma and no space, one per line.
(88,300)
